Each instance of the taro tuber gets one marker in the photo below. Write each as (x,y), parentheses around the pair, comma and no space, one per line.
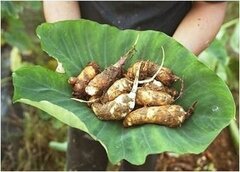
(104,80)
(144,95)
(119,107)
(119,87)
(80,82)
(149,97)
(149,69)
(116,109)
(158,86)
(168,115)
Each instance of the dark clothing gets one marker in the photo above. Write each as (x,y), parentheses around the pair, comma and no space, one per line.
(162,16)
(84,153)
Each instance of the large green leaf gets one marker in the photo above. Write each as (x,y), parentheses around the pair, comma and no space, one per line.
(75,43)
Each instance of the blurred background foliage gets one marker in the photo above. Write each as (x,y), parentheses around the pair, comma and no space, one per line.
(222,56)
(31,139)
(27,133)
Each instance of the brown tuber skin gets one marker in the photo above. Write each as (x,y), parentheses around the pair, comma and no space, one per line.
(104,80)
(144,71)
(149,97)
(80,82)
(168,115)
(149,69)
(112,98)
(165,76)
(119,87)
(113,110)
(118,108)
(158,86)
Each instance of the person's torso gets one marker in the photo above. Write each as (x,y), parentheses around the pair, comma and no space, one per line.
(163,16)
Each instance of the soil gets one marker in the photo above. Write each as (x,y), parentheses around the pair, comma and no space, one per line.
(220,156)
(26,131)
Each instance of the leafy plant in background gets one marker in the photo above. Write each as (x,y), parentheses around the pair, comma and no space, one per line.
(18,32)
(222,57)
(75,43)
(21,47)
(217,56)
(14,31)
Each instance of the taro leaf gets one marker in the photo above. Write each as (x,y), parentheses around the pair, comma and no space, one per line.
(75,43)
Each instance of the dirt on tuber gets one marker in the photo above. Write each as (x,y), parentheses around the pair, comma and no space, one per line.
(100,83)
(119,87)
(149,69)
(119,107)
(143,95)
(158,86)
(149,97)
(168,115)
(80,82)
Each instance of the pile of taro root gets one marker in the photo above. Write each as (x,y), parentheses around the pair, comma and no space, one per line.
(142,94)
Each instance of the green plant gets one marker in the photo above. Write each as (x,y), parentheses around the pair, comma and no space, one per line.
(14,30)
(222,57)
(19,20)
(75,43)
(219,54)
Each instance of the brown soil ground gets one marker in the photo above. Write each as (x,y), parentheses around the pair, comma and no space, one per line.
(220,156)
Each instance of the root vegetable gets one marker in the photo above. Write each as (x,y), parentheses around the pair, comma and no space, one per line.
(150,69)
(165,76)
(148,97)
(113,110)
(144,71)
(119,87)
(168,115)
(120,106)
(158,86)
(112,97)
(104,80)
(80,82)
(157,71)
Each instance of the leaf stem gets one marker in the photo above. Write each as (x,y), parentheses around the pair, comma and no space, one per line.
(234,131)
(58,146)
(230,23)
